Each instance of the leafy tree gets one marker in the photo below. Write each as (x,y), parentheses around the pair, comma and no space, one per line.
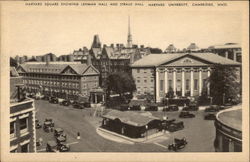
(120,83)
(224,83)
(155,50)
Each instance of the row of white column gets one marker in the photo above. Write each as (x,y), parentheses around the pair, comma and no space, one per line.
(183,82)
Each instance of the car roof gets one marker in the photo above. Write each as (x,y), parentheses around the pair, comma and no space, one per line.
(52,143)
(58,129)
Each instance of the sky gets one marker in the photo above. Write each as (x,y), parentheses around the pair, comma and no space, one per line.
(36,32)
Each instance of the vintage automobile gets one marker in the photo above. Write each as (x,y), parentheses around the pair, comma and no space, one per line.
(65,103)
(191,107)
(52,146)
(175,126)
(62,147)
(54,100)
(59,132)
(61,138)
(87,105)
(177,144)
(212,108)
(171,108)
(210,116)
(186,114)
(124,107)
(47,127)
(151,107)
(38,124)
(78,105)
(135,107)
(52,124)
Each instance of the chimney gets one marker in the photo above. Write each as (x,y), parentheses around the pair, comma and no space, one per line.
(89,62)
(47,58)
(132,58)
(142,46)
(20,94)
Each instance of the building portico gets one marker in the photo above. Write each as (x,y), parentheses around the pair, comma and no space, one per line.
(182,74)
(184,81)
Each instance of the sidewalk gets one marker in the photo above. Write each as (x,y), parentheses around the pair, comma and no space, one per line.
(123,139)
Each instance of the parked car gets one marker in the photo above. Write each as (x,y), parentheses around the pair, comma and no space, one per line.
(54,100)
(87,105)
(186,114)
(59,132)
(135,107)
(151,107)
(78,105)
(61,138)
(124,107)
(191,107)
(177,144)
(212,108)
(210,116)
(52,124)
(51,146)
(62,147)
(65,103)
(175,126)
(38,124)
(171,108)
(47,127)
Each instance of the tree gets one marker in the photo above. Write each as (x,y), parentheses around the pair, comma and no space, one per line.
(224,83)
(155,50)
(120,83)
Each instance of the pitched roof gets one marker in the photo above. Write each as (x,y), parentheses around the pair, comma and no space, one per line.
(55,68)
(132,118)
(154,60)
(97,52)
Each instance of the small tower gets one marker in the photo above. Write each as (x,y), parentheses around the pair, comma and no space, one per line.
(129,41)
(96,42)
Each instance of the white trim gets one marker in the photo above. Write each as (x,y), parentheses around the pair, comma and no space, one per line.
(24,102)
(13,119)
(13,147)
(24,142)
(22,112)
(24,116)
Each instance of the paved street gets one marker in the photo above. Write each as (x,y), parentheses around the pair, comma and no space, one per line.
(198,132)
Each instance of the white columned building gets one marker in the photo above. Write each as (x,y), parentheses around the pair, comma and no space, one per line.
(174,81)
(192,83)
(157,85)
(200,81)
(183,82)
(166,80)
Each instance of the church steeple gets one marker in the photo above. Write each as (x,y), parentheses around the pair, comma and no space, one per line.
(129,41)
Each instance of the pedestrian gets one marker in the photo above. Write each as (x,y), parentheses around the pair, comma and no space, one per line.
(78,135)
(40,141)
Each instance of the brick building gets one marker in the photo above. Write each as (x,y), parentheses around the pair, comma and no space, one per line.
(61,79)
(22,119)
(185,73)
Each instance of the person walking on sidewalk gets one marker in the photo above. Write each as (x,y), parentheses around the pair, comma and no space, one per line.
(78,135)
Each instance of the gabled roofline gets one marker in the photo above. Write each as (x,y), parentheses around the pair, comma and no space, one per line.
(89,67)
(66,68)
